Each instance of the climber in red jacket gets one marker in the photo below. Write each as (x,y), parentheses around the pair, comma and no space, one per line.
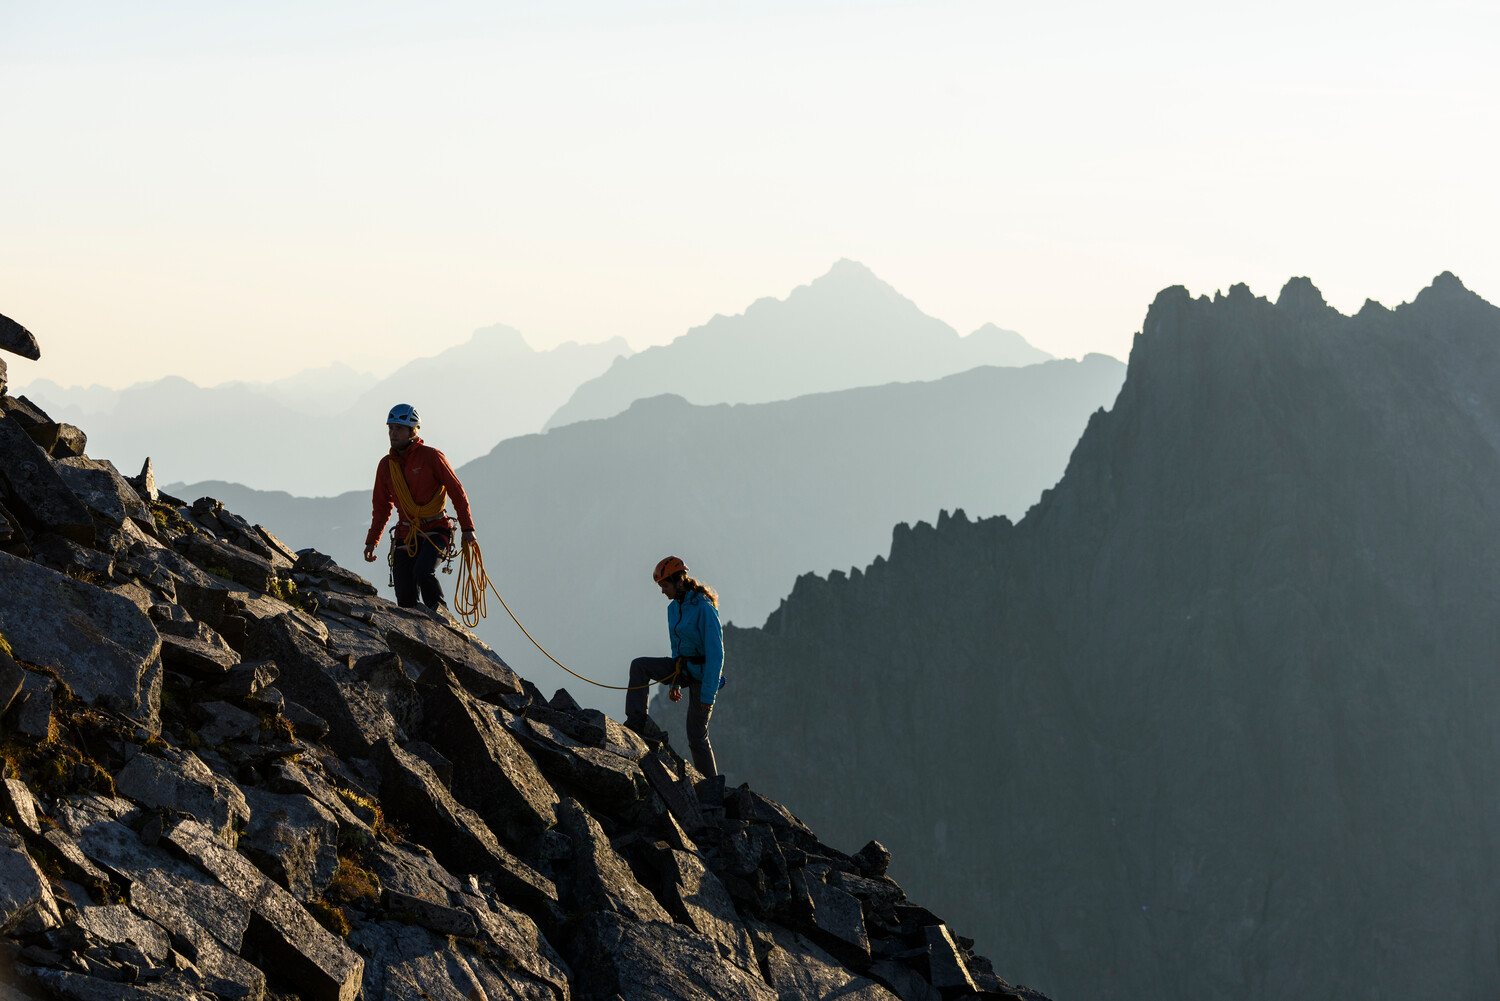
(418,481)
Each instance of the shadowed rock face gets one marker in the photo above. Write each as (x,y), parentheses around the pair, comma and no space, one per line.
(1215,718)
(315,795)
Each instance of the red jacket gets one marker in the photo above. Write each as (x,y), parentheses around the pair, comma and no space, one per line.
(425,469)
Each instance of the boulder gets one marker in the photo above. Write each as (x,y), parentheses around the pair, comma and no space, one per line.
(65,985)
(611,778)
(34,490)
(517,938)
(71,860)
(698,896)
(197,649)
(117,924)
(460,839)
(222,722)
(18,807)
(101,645)
(946,967)
(598,878)
(436,917)
(18,340)
(797,968)
(432,646)
(57,552)
(186,786)
(837,916)
(31,712)
(408,961)
(70,442)
(248,679)
(289,778)
(227,560)
(103,490)
(678,794)
(306,953)
(26,903)
(498,780)
(651,961)
(357,718)
(292,839)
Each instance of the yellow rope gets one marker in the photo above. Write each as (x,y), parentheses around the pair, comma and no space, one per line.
(411,511)
(470,602)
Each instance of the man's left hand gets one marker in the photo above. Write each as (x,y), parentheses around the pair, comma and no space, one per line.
(466,538)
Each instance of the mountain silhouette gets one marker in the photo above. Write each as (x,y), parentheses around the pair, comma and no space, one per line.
(751,495)
(306,433)
(1215,719)
(846,329)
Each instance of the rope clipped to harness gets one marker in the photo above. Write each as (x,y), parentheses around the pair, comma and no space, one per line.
(470,601)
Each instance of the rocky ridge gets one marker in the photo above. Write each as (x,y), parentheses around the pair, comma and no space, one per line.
(231,772)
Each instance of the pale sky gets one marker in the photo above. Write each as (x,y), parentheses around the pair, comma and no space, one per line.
(236,190)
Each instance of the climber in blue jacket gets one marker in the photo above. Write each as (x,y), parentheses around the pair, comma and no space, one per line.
(697,661)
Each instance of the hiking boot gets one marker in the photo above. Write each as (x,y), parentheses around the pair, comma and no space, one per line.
(645,727)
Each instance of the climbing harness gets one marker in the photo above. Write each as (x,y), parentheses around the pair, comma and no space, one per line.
(471,603)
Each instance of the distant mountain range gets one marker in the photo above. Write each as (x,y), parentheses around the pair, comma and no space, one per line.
(1216,719)
(749,495)
(846,329)
(312,433)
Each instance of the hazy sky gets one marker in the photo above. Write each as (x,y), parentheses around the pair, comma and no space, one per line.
(234,190)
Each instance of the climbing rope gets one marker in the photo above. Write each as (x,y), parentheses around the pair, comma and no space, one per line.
(470,602)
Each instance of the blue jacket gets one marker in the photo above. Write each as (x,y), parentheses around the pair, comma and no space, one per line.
(693,624)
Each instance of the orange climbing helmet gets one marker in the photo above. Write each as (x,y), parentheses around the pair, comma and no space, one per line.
(667,568)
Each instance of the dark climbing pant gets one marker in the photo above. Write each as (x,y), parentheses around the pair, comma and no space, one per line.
(419,573)
(644,670)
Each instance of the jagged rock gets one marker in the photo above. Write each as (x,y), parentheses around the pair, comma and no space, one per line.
(195,648)
(71,860)
(498,780)
(290,779)
(70,444)
(118,924)
(321,965)
(408,961)
(26,903)
(799,969)
(432,646)
(18,340)
(35,490)
(873,859)
(227,560)
(223,722)
(101,645)
(599,879)
(208,919)
(11,679)
(650,961)
(906,983)
(946,968)
(18,807)
(247,679)
(67,557)
(186,786)
(440,765)
(312,563)
(608,776)
(674,791)
(305,723)
(517,937)
(65,985)
(384,673)
(103,490)
(837,916)
(292,839)
(459,837)
(31,713)
(357,718)
(697,896)
(435,917)
(756,871)
(244,535)
(145,483)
